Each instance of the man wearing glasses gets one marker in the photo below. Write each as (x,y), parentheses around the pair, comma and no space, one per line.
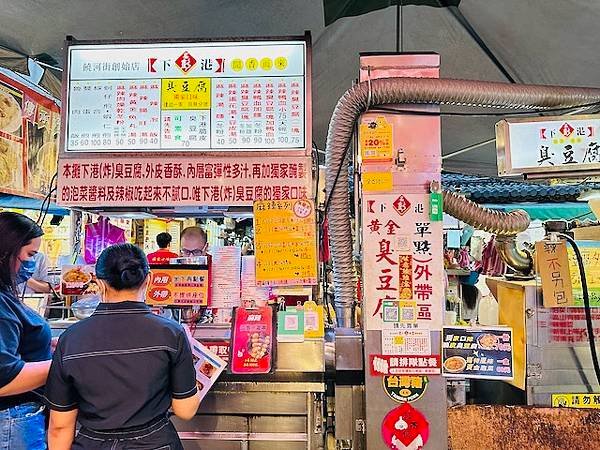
(193,242)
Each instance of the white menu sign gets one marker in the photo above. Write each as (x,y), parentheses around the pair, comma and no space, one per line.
(187,96)
(548,144)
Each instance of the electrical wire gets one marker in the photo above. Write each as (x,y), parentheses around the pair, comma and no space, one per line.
(586,304)
(47,199)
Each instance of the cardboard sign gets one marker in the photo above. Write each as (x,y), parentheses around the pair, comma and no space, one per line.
(376,140)
(405,428)
(382,365)
(252,341)
(182,285)
(485,353)
(553,266)
(285,236)
(587,401)
(78,280)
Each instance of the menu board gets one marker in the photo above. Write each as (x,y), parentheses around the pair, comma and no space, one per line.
(286,243)
(247,95)
(485,353)
(181,285)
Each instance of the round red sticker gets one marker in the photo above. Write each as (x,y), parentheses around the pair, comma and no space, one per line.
(405,428)
(302,208)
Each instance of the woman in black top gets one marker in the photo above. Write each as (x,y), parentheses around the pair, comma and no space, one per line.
(119,371)
(24,340)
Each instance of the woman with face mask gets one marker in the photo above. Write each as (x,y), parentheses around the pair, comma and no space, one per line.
(119,372)
(25,349)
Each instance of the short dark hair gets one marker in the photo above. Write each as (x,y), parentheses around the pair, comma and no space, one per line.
(16,231)
(163,240)
(122,266)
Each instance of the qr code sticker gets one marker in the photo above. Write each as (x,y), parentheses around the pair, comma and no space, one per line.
(408,314)
(390,314)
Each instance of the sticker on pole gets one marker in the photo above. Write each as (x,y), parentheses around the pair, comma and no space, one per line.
(405,388)
(382,365)
(405,428)
(376,142)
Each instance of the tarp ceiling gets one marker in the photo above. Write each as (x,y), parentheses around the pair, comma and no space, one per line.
(537,41)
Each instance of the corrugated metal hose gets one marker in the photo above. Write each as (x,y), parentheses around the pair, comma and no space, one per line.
(384,91)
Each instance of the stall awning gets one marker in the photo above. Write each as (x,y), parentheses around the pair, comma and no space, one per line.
(18,202)
(551,211)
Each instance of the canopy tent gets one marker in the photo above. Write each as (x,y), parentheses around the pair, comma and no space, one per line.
(534,41)
(551,211)
(18,202)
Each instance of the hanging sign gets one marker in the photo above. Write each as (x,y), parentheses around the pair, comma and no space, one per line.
(252,341)
(285,240)
(548,144)
(485,353)
(553,266)
(405,428)
(186,96)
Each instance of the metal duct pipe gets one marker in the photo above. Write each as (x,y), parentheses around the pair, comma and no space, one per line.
(506,225)
(493,221)
(519,260)
(383,91)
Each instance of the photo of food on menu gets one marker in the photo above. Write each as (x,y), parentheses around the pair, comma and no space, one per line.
(207,364)
(477,353)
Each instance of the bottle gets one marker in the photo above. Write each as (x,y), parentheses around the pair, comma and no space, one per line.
(488,311)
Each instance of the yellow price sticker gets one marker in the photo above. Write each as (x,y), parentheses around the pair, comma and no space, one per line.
(281,63)
(266,64)
(398,340)
(237,65)
(377,181)
(252,64)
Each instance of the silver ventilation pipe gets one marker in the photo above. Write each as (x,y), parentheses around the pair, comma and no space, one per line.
(360,97)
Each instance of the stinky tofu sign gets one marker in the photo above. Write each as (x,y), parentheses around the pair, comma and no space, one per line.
(181,181)
(402,263)
(548,144)
(187,96)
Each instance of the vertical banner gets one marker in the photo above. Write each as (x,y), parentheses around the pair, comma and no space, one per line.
(403,266)
(285,237)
